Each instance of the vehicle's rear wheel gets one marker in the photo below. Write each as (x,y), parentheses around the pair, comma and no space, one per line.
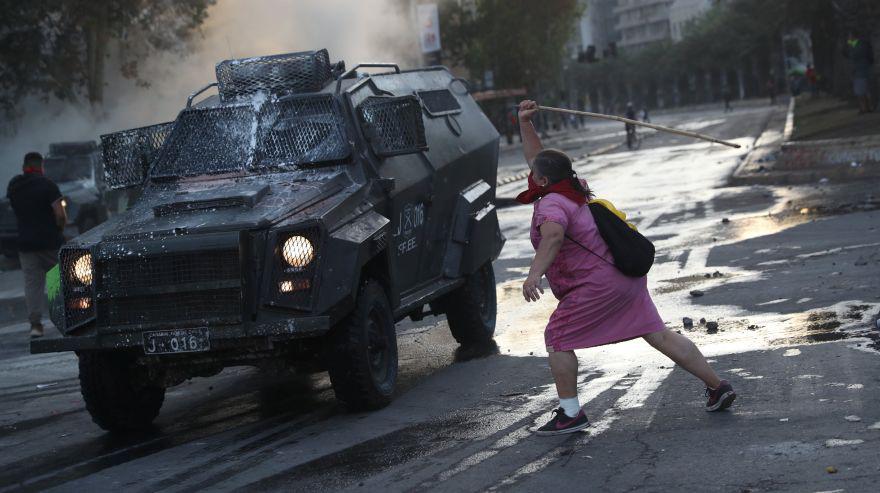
(471,309)
(115,392)
(363,352)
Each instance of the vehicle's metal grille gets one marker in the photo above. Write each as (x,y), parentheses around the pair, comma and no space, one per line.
(169,270)
(129,153)
(393,125)
(440,102)
(200,287)
(77,283)
(306,71)
(203,307)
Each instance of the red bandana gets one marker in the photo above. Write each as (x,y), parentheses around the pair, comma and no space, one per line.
(563,188)
(30,170)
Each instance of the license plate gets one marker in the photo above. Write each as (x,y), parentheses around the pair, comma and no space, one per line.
(176,341)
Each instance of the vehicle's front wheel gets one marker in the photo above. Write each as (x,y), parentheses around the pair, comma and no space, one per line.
(363,352)
(115,392)
(472,308)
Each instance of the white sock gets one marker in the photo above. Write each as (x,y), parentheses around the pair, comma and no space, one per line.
(571,406)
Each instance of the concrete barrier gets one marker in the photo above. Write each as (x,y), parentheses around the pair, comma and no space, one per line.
(857,152)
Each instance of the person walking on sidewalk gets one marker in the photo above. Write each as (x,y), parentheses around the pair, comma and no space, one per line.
(40,215)
(861,54)
(597,303)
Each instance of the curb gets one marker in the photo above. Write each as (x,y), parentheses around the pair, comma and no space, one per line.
(758,153)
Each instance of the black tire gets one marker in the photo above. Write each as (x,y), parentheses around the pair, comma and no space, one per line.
(115,394)
(363,358)
(472,308)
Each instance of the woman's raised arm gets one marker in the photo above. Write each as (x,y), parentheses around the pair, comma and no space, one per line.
(531,141)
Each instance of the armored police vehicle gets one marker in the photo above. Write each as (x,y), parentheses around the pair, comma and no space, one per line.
(76,168)
(289,220)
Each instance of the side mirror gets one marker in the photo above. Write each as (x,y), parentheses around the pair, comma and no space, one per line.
(127,155)
(393,125)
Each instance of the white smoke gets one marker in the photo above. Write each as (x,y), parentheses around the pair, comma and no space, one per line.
(351,30)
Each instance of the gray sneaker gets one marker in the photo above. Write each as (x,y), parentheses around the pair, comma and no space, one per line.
(36,331)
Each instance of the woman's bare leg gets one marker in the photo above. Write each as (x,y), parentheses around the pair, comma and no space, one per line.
(564,366)
(684,353)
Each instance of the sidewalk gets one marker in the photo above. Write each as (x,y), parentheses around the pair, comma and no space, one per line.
(778,158)
(12,306)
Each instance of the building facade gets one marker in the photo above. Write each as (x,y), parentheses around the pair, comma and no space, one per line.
(642,22)
(597,28)
(684,12)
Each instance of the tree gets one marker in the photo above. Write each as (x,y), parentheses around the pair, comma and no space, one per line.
(521,41)
(59,47)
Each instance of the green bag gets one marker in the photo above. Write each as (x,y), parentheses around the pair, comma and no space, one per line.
(53,283)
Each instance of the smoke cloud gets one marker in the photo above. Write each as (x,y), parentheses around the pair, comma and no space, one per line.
(352,30)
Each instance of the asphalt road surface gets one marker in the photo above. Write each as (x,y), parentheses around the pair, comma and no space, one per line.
(794,294)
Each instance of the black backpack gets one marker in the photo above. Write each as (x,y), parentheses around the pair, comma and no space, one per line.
(633,253)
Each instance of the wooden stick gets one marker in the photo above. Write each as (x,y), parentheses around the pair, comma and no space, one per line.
(641,124)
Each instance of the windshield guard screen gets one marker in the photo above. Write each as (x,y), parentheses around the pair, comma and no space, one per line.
(292,131)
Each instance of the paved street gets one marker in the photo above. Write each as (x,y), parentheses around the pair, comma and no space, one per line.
(788,272)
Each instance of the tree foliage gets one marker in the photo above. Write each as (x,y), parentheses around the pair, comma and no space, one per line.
(59,48)
(521,41)
(735,33)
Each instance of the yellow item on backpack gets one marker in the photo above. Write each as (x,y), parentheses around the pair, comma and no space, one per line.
(622,215)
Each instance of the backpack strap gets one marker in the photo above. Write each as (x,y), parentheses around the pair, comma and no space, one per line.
(587,248)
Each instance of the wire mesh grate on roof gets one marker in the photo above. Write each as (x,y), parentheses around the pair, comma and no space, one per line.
(300,130)
(208,141)
(306,71)
(393,125)
(127,155)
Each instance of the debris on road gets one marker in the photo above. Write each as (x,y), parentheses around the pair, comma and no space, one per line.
(702,321)
(725,220)
(852,418)
(687,322)
(711,327)
(831,470)
(697,293)
(840,442)
(42,386)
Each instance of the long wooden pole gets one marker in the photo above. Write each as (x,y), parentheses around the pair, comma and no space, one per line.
(641,124)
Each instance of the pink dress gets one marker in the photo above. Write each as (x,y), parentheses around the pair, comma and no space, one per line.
(597,303)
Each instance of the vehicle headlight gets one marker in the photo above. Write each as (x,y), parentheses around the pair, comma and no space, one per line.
(82,269)
(298,251)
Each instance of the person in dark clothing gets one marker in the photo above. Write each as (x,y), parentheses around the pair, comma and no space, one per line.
(861,54)
(771,88)
(728,96)
(629,127)
(39,212)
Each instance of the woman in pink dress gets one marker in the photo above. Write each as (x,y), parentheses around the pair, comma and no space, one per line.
(597,303)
